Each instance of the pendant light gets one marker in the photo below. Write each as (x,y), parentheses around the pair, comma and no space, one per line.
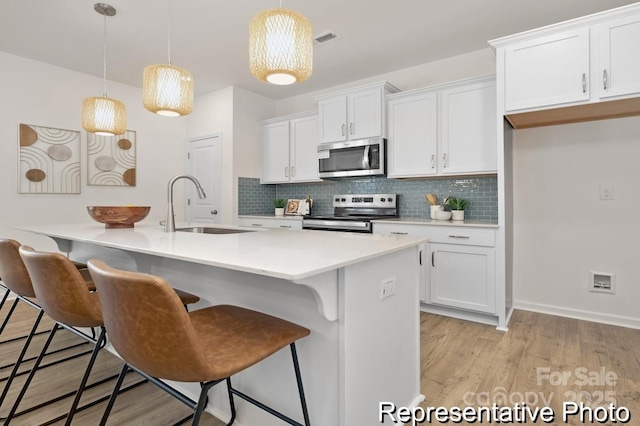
(100,114)
(280,46)
(166,89)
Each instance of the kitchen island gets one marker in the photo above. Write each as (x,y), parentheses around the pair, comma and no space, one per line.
(357,293)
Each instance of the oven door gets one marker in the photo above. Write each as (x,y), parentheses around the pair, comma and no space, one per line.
(364,157)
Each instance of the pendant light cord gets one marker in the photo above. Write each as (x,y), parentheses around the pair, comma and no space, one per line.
(169,30)
(104,57)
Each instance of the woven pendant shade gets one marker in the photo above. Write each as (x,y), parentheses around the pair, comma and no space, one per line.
(104,116)
(280,46)
(167,90)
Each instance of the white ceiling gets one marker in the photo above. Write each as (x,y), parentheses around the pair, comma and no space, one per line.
(210,38)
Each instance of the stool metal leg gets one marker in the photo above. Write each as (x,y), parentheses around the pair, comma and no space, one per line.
(33,372)
(6,295)
(114,394)
(202,401)
(303,401)
(83,383)
(6,319)
(20,357)
(232,404)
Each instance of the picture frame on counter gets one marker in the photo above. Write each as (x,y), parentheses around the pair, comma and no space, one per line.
(293,207)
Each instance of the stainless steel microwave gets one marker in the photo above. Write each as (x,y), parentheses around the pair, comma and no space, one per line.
(364,157)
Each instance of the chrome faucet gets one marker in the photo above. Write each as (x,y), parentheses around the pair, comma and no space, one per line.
(170,223)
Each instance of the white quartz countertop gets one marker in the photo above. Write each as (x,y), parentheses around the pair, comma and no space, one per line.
(285,254)
(430,222)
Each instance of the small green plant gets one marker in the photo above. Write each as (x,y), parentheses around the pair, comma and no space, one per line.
(457,203)
(279,203)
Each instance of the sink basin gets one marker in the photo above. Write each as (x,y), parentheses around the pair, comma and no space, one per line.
(212,230)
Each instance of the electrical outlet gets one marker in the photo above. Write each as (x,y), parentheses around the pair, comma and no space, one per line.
(606,192)
(388,288)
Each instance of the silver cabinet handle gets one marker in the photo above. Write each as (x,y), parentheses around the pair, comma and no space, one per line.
(433,161)
(462,237)
(343,130)
(584,83)
(399,233)
(256,224)
(444,160)
(605,79)
(351,128)
(293,171)
(433,258)
(214,212)
(285,226)
(420,257)
(286,172)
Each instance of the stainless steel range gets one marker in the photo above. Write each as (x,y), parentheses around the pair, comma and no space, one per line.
(354,213)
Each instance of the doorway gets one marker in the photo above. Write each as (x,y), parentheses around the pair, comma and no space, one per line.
(204,158)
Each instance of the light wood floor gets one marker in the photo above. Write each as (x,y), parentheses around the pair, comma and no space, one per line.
(463,363)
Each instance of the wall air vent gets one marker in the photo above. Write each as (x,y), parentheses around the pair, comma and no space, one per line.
(325,38)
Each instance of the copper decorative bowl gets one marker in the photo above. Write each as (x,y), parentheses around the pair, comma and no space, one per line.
(115,217)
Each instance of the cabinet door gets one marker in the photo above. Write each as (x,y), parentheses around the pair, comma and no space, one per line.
(468,129)
(463,277)
(619,57)
(304,149)
(365,114)
(411,145)
(333,119)
(547,71)
(275,153)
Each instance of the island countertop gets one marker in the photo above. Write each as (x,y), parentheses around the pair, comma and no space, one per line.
(284,254)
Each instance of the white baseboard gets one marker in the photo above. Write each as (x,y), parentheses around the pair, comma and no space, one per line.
(610,319)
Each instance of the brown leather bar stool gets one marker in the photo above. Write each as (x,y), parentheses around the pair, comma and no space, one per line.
(158,339)
(60,288)
(16,278)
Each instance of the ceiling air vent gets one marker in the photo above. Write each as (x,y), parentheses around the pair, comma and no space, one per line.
(325,38)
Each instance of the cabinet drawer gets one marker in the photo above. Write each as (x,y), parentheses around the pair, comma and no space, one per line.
(441,233)
(295,224)
(462,235)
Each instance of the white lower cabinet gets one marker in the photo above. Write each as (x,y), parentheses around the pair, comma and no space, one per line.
(463,277)
(460,266)
(270,223)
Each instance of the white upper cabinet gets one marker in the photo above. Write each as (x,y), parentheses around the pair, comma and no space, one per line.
(412,143)
(583,61)
(619,56)
(275,152)
(445,130)
(289,149)
(354,114)
(547,71)
(468,128)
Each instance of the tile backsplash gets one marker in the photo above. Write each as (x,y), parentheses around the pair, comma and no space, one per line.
(480,191)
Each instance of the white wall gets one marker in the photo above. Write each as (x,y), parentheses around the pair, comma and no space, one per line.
(234,113)
(563,230)
(459,67)
(44,95)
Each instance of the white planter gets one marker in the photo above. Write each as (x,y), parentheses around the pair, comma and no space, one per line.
(457,214)
(280,211)
(434,209)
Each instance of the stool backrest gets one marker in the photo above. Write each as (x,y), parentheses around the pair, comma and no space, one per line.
(59,287)
(12,270)
(147,324)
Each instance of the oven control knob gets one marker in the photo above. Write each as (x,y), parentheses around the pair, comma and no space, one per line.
(390,200)
(383,199)
(343,200)
(337,200)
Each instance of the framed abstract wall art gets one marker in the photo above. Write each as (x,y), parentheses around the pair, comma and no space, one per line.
(49,160)
(111,160)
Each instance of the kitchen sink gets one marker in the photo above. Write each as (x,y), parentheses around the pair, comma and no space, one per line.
(212,230)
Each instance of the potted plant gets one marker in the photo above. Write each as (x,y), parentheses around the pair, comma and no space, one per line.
(279,204)
(457,206)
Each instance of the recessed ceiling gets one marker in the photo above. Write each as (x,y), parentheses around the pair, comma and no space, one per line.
(210,39)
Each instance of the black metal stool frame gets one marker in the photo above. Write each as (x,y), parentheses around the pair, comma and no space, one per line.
(199,406)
